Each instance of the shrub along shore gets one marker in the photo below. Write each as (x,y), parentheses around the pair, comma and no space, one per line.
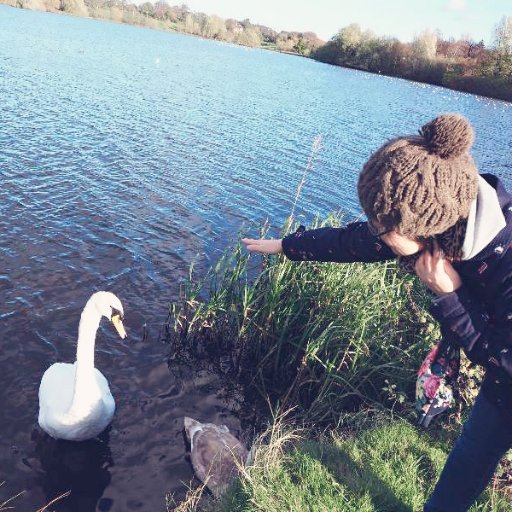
(463,64)
(338,347)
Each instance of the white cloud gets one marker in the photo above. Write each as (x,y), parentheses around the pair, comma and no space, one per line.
(457,5)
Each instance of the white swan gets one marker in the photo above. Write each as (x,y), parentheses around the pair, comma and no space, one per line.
(216,454)
(75,402)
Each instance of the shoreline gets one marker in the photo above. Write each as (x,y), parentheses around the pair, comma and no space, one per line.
(266,48)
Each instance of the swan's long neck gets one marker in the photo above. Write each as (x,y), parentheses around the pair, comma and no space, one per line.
(86,390)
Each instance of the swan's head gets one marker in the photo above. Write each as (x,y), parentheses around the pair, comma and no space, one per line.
(110,306)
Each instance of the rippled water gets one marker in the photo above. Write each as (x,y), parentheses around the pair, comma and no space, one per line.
(125,154)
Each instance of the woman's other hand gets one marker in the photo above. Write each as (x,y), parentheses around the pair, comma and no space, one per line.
(271,246)
(437,272)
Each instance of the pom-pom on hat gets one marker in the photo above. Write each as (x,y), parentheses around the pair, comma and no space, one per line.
(421,185)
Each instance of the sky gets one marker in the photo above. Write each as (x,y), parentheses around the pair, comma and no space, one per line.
(399,18)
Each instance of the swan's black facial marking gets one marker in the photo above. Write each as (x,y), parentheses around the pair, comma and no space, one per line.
(117,321)
(116,312)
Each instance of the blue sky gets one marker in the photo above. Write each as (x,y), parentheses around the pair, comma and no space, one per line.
(399,18)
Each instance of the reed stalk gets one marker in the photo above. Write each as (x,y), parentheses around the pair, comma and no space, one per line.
(315,148)
(324,337)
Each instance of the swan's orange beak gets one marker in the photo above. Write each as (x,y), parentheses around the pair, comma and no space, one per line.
(118,324)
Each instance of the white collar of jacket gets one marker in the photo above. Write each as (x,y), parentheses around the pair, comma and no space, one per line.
(485,220)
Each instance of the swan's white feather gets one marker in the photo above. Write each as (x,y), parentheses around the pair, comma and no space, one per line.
(80,407)
(55,398)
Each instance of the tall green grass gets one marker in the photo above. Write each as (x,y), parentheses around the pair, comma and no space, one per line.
(340,345)
(321,337)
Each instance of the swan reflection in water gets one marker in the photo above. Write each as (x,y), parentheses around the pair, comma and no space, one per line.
(79,467)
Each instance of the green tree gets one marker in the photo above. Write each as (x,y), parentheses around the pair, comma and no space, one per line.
(191,25)
(424,46)
(268,35)
(286,41)
(178,13)
(249,36)
(499,62)
(147,9)
(76,7)
(503,35)
(162,10)
(347,41)
(213,27)
(300,46)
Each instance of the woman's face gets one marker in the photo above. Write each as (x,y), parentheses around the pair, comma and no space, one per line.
(401,245)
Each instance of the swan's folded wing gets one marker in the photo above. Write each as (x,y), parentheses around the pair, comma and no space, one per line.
(56,388)
(216,456)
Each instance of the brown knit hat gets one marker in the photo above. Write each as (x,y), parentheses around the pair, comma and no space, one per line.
(421,185)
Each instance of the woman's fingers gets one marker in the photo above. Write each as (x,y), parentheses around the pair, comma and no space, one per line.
(251,244)
(437,272)
(438,252)
(426,266)
(263,246)
(427,261)
(438,257)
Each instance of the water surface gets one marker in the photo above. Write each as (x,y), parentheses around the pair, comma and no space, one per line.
(126,154)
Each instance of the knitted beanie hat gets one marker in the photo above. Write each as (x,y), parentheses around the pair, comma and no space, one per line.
(421,185)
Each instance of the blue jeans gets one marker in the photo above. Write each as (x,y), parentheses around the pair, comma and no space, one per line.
(485,438)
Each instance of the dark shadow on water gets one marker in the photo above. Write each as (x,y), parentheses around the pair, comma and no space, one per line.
(79,467)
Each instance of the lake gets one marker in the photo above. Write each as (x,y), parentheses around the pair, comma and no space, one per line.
(125,155)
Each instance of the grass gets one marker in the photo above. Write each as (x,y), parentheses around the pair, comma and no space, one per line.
(339,344)
(390,467)
(384,465)
(6,504)
(323,338)
(9,503)
(379,470)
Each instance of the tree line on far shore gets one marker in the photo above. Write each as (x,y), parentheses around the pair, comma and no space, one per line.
(179,18)
(462,64)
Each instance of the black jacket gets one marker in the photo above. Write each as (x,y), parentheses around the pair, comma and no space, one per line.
(477,317)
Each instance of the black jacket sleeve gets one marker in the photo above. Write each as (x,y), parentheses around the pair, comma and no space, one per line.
(486,339)
(344,245)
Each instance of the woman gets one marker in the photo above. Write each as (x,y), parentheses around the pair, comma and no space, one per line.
(427,205)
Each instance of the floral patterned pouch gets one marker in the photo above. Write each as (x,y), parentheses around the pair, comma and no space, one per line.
(436,378)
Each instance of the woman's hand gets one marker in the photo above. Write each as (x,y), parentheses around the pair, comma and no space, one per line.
(437,272)
(272,246)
